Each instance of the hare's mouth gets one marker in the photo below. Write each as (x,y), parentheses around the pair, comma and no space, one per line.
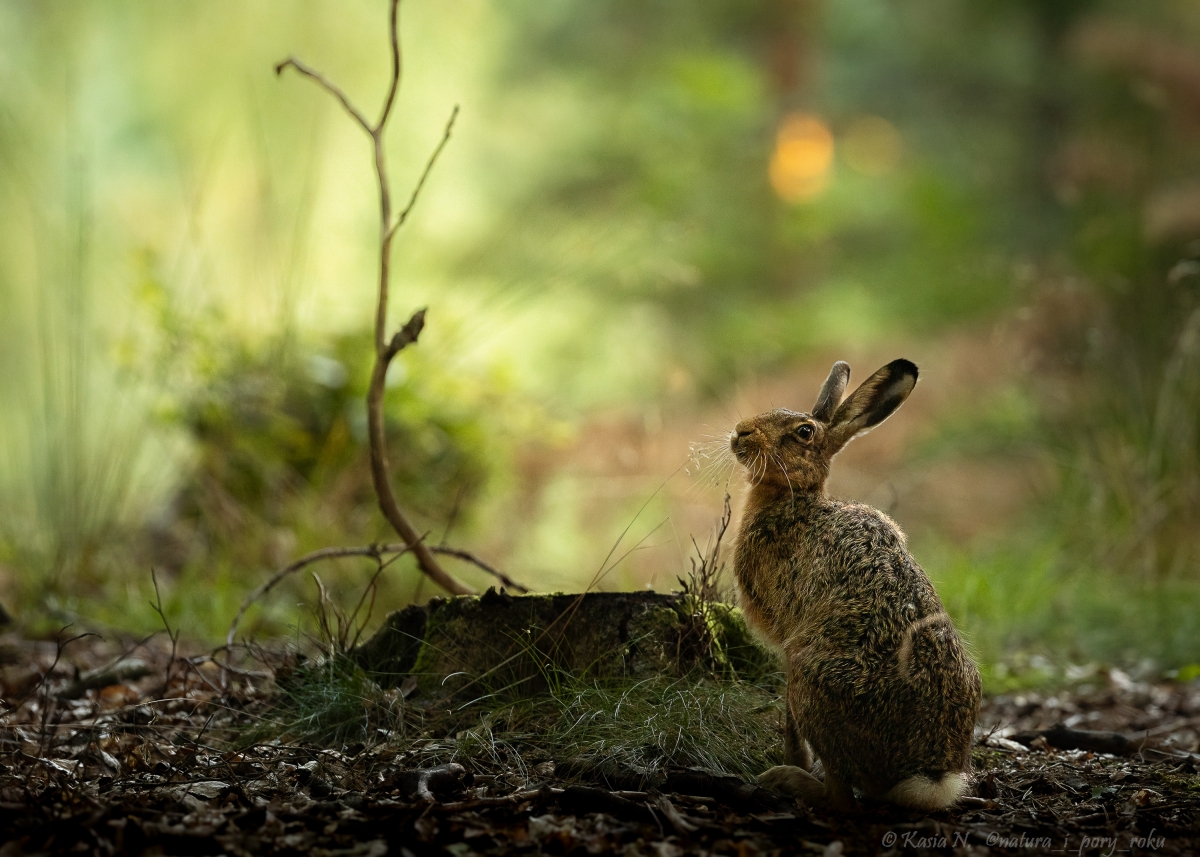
(740,444)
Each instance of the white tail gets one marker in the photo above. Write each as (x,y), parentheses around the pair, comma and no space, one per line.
(919,792)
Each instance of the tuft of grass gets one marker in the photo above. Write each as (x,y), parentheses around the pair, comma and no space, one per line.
(629,729)
(646,727)
(331,703)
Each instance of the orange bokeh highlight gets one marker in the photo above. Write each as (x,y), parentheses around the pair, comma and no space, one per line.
(802,158)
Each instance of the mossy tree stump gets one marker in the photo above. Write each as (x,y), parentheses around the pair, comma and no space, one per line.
(469,647)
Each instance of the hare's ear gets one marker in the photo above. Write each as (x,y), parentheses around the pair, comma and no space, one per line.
(832,391)
(873,402)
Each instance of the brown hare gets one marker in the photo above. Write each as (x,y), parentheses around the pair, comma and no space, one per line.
(879,685)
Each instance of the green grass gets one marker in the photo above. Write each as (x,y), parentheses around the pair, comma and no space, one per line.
(1032,611)
(644,728)
(331,703)
(629,728)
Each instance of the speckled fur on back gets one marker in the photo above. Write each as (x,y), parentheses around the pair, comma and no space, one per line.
(879,684)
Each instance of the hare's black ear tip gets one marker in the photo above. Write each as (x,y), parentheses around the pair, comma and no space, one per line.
(904,367)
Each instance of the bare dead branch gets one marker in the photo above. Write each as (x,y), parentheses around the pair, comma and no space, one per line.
(412,200)
(516,798)
(249,674)
(60,645)
(703,580)
(308,559)
(372,589)
(382,481)
(376,552)
(467,556)
(330,87)
(385,350)
(172,635)
(407,335)
(1064,738)
(390,99)
(683,824)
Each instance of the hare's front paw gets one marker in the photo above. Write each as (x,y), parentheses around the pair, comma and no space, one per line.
(794,782)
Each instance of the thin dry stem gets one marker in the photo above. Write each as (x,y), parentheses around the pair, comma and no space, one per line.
(172,635)
(376,552)
(467,556)
(329,87)
(393,34)
(412,200)
(385,350)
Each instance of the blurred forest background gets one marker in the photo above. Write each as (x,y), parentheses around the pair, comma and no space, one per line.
(653,218)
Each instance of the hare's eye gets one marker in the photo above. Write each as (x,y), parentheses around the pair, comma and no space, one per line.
(805,432)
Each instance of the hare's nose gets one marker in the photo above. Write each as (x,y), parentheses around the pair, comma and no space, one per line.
(743,432)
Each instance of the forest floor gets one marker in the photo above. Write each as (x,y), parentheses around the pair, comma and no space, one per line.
(119,747)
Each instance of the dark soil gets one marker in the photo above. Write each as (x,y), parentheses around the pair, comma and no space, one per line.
(143,758)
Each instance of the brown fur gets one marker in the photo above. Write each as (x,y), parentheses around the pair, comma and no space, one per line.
(879,683)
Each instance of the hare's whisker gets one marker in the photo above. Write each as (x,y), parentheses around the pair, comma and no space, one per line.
(759,474)
(783,470)
(714,473)
(703,464)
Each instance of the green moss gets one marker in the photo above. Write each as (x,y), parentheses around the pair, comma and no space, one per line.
(514,647)
(748,659)
(654,633)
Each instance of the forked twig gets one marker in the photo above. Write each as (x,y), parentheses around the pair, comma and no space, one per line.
(412,200)
(467,556)
(172,635)
(59,646)
(386,350)
(376,552)
(372,589)
(328,86)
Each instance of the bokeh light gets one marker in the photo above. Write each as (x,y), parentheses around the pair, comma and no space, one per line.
(802,158)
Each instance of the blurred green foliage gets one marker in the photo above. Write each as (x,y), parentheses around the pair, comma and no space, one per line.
(187,270)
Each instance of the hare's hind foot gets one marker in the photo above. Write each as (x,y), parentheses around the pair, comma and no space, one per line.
(800,784)
(794,782)
(925,793)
